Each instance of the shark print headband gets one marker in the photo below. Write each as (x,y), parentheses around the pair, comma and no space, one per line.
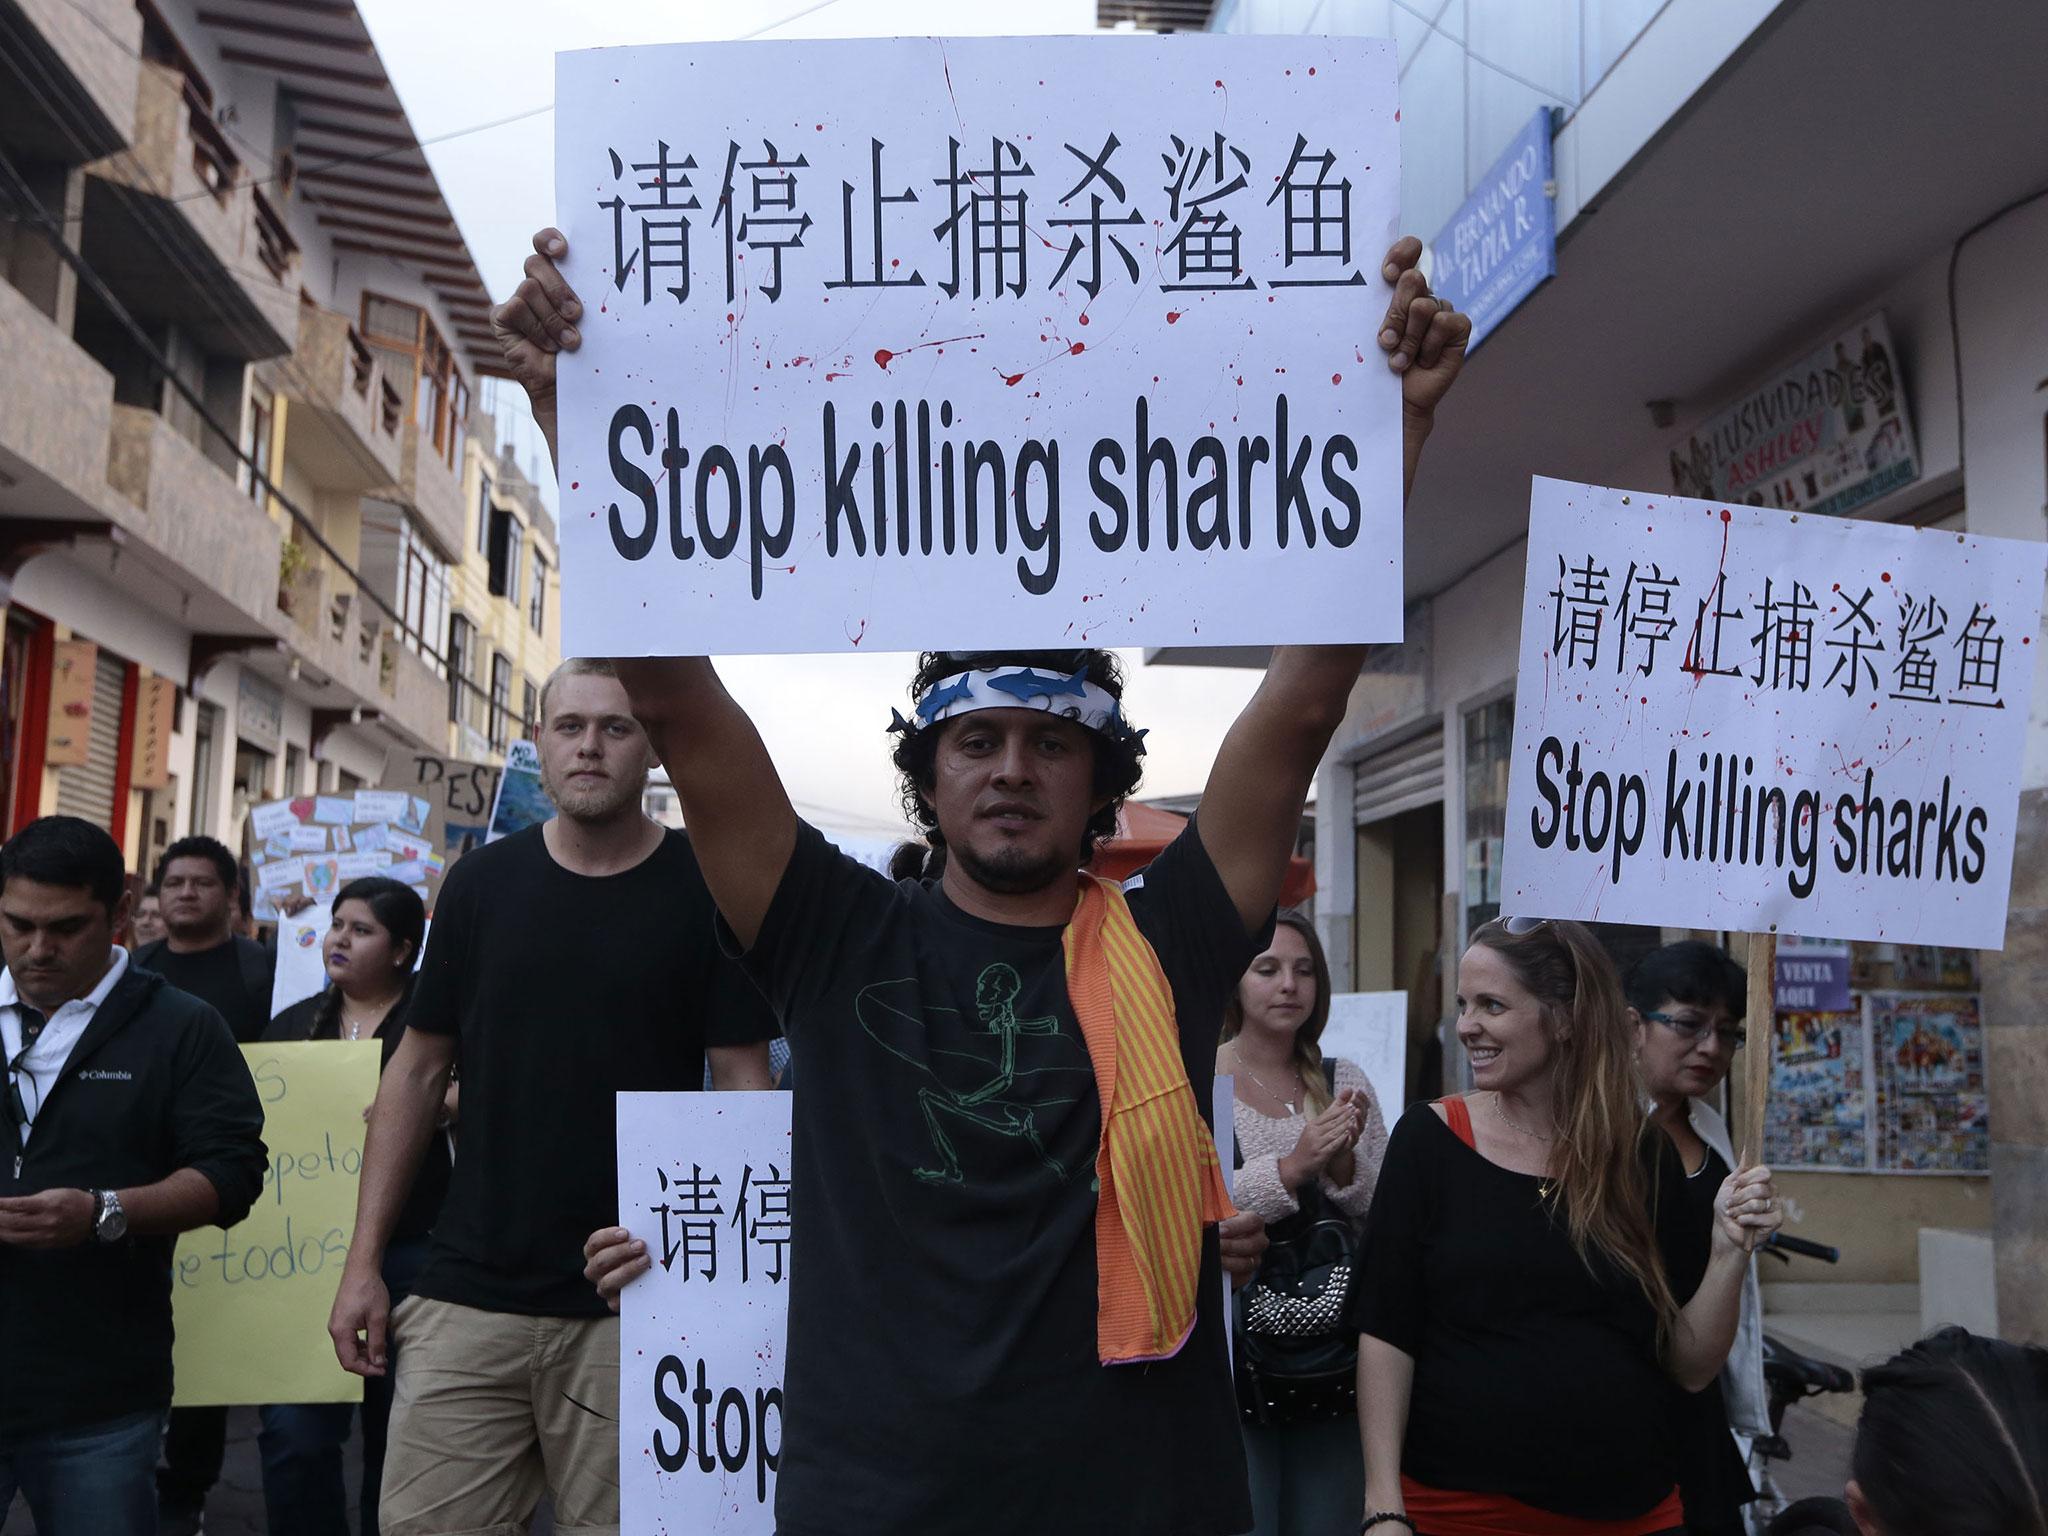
(1072,697)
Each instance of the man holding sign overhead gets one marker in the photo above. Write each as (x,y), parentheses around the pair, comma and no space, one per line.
(1001,1321)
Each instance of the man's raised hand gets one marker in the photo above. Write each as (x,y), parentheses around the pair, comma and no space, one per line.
(536,323)
(1424,337)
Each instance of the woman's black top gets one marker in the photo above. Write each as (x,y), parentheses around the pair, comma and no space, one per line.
(301,1021)
(1711,1473)
(1536,1374)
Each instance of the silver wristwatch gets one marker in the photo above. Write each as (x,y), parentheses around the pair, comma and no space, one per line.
(109,1222)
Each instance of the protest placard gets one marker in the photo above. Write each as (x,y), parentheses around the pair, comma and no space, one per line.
(250,1304)
(522,801)
(704,1181)
(1731,717)
(1371,1030)
(311,846)
(973,342)
(453,799)
(301,964)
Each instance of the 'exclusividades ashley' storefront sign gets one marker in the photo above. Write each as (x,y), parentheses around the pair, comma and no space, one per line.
(1829,433)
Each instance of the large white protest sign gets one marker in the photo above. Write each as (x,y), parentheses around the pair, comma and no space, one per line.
(1732,717)
(976,342)
(704,1182)
(1370,1029)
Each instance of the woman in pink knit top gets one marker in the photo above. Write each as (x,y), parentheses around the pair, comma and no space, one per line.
(1300,1121)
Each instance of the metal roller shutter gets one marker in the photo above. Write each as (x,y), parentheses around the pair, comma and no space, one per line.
(87,789)
(1399,779)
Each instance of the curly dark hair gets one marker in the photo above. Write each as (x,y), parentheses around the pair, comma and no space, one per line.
(1119,762)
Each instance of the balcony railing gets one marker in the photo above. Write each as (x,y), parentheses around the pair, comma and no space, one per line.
(362,372)
(212,157)
(275,247)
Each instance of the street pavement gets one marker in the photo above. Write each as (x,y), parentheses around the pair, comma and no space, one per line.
(1819,1465)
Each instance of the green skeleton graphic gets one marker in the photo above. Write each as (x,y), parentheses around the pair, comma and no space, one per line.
(988,1106)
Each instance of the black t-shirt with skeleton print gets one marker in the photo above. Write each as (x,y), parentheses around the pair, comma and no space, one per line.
(942,1372)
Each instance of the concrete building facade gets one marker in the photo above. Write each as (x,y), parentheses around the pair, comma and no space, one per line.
(240,455)
(1736,182)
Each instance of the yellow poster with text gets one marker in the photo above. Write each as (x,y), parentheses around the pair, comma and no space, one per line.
(250,1304)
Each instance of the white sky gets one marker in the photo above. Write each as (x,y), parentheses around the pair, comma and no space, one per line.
(458,63)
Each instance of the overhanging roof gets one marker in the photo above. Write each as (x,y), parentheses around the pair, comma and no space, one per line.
(360,169)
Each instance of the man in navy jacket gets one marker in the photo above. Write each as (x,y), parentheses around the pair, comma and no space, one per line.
(128,1116)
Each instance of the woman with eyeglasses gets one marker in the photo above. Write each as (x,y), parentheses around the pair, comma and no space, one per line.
(371,950)
(1534,1277)
(1687,1001)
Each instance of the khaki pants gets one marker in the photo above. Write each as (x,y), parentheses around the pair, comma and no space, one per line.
(490,1408)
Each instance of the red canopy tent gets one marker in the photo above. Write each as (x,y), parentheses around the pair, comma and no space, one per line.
(1142,833)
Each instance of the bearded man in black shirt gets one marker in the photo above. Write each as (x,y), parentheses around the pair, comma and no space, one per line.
(566,962)
(959,1356)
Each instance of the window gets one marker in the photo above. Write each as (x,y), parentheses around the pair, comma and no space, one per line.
(294,768)
(537,605)
(461,643)
(420,363)
(205,774)
(483,518)
(1489,742)
(422,591)
(262,412)
(501,701)
(507,540)
(532,710)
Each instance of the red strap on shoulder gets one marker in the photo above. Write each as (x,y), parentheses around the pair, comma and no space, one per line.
(1459,1119)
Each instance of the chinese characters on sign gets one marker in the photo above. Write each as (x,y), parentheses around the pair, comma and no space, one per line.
(1046,341)
(985,240)
(1739,718)
(1828,434)
(691,1213)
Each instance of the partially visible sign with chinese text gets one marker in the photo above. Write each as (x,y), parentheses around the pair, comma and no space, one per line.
(1729,717)
(1828,434)
(1501,244)
(918,342)
(704,1182)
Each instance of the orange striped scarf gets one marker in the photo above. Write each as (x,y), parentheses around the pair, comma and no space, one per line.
(1157,1165)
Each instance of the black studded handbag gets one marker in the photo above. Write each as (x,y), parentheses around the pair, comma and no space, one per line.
(1297,1361)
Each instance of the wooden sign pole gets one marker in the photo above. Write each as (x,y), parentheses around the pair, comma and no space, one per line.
(1762,1006)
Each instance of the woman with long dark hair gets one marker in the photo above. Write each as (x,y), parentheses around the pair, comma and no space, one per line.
(1310,1137)
(371,949)
(1533,1276)
(1953,1440)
